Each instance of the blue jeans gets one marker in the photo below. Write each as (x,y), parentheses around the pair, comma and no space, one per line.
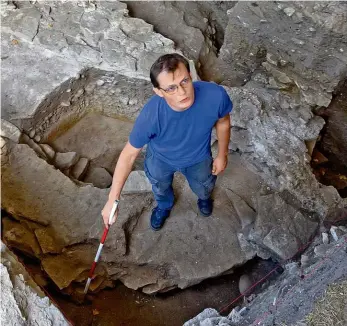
(160,174)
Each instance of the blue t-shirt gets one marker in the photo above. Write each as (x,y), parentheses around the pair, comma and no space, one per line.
(182,138)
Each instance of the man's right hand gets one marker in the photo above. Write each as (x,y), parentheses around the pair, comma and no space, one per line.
(123,168)
(106,213)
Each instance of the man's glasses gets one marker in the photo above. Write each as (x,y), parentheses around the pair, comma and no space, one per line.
(173,88)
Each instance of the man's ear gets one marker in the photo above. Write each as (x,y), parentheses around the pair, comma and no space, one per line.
(158,92)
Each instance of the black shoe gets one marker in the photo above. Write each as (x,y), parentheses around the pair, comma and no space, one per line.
(205,206)
(158,218)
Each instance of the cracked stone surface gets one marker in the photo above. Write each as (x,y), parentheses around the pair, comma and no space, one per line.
(62,217)
(59,39)
(22,301)
(278,304)
(305,49)
(197,27)
(89,64)
(274,137)
(130,251)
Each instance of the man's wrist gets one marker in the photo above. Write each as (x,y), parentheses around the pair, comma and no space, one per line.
(222,154)
(113,198)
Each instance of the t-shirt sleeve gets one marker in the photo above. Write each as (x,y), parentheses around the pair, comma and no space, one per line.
(226,104)
(144,128)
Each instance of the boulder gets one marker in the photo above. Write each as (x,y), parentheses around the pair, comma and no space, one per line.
(37,148)
(245,283)
(99,177)
(49,151)
(20,237)
(276,223)
(64,161)
(209,317)
(49,242)
(32,133)
(137,182)
(246,213)
(80,168)
(76,262)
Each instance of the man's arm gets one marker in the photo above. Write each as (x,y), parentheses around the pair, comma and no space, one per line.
(223,136)
(121,173)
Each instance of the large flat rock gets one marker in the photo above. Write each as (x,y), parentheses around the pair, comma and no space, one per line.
(65,219)
(187,250)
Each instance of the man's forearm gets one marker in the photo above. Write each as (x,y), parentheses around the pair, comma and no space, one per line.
(121,173)
(223,136)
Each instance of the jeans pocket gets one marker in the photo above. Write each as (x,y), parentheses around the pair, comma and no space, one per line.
(153,181)
(209,184)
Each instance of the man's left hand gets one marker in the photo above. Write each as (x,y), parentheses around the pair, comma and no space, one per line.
(219,164)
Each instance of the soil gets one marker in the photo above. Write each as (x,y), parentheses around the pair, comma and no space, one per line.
(84,138)
(121,306)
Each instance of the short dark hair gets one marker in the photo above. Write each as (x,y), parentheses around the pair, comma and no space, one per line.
(168,63)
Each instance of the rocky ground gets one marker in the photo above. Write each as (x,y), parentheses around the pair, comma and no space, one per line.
(75,73)
(22,301)
(292,297)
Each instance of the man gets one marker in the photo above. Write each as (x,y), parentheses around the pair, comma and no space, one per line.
(176,123)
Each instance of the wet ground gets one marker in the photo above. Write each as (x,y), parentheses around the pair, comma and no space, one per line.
(121,306)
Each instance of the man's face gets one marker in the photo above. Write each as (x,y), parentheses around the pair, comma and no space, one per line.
(176,88)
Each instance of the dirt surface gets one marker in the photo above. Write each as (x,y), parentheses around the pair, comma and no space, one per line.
(121,306)
(84,138)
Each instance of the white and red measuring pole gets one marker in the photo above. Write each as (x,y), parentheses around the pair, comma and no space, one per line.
(103,238)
